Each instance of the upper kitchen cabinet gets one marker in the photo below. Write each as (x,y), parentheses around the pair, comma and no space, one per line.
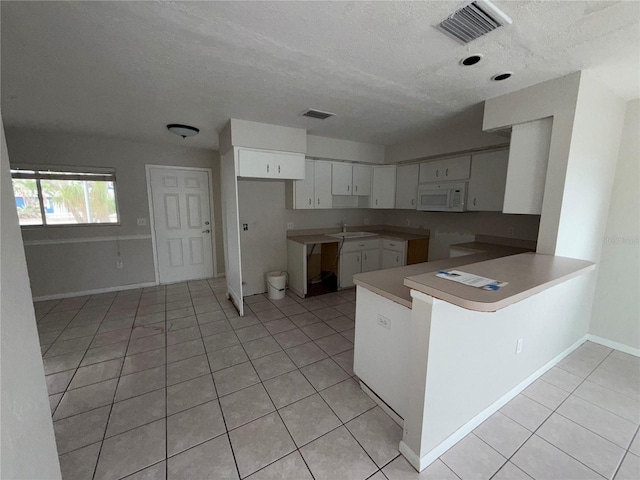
(314,191)
(487,183)
(254,163)
(457,168)
(361,180)
(322,185)
(383,187)
(407,186)
(302,194)
(527,171)
(341,179)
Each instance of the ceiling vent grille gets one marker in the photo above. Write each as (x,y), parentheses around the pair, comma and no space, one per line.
(474,20)
(319,114)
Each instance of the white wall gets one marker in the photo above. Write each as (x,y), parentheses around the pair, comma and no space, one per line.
(28,443)
(336,149)
(64,268)
(443,143)
(451,228)
(616,308)
(264,245)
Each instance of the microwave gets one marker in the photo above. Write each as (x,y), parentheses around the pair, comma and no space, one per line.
(442,197)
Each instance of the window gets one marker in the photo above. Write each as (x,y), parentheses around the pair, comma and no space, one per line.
(49,198)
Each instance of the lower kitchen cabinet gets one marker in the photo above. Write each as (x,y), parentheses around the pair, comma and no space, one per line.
(350,264)
(391,259)
(370,260)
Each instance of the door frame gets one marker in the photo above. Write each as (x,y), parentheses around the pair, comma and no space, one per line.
(148,167)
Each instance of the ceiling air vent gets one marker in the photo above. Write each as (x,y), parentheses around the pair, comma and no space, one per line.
(474,20)
(319,114)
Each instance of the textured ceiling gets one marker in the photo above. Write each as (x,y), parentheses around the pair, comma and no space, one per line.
(125,69)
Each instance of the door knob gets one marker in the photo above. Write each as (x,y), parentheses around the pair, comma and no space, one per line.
(206,223)
(206,231)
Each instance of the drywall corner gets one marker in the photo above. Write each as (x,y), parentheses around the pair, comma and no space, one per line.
(28,442)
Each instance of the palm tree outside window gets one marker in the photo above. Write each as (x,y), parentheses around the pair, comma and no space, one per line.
(52,198)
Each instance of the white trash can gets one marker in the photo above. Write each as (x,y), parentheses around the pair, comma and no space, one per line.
(276,284)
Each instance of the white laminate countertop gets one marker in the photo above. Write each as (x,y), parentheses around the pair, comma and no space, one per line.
(527,274)
(389,283)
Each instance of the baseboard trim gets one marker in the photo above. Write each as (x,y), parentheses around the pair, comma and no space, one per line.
(220,275)
(420,463)
(58,296)
(615,345)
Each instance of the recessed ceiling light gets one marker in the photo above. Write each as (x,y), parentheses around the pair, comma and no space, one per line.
(501,76)
(183,130)
(472,60)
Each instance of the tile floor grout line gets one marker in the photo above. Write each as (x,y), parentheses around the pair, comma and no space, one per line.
(115,392)
(549,416)
(166,391)
(75,370)
(624,455)
(215,388)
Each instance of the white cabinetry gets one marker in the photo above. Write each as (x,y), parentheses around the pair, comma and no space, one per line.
(314,191)
(269,164)
(322,185)
(383,189)
(361,180)
(394,253)
(457,168)
(407,187)
(341,179)
(487,183)
(527,172)
(357,257)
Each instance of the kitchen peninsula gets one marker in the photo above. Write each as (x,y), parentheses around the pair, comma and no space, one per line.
(440,357)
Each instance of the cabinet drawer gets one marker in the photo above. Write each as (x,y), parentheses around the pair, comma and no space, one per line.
(358,245)
(394,245)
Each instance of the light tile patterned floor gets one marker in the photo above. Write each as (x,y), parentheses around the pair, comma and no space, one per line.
(169,383)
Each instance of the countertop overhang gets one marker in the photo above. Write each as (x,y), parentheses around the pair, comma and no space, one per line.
(527,274)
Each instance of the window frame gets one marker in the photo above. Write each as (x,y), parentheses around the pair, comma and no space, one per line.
(61,172)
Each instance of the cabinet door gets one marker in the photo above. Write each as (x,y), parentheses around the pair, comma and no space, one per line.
(488,179)
(383,189)
(350,264)
(370,260)
(288,165)
(361,180)
(341,179)
(407,187)
(303,196)
(391,259)
(449,169)
(458,168)
(255,164)
(322,185)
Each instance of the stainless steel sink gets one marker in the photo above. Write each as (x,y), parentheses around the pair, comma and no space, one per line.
(347,235)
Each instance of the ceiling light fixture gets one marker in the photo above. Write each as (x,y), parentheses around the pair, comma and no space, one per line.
(501,76)
(183,130)
(471,60)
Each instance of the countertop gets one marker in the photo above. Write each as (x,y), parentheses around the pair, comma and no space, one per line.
(527,274)
(478,247)
(389,283)
(324,238)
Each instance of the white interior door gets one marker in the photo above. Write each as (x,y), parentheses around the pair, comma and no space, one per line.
(182,223)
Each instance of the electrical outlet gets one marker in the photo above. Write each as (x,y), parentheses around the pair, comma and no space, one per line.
(290,226)
(119,264)
(245,226)
(384,322)
(407,222)
(142,222)
(519,346)
(366,221)
(511,231)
